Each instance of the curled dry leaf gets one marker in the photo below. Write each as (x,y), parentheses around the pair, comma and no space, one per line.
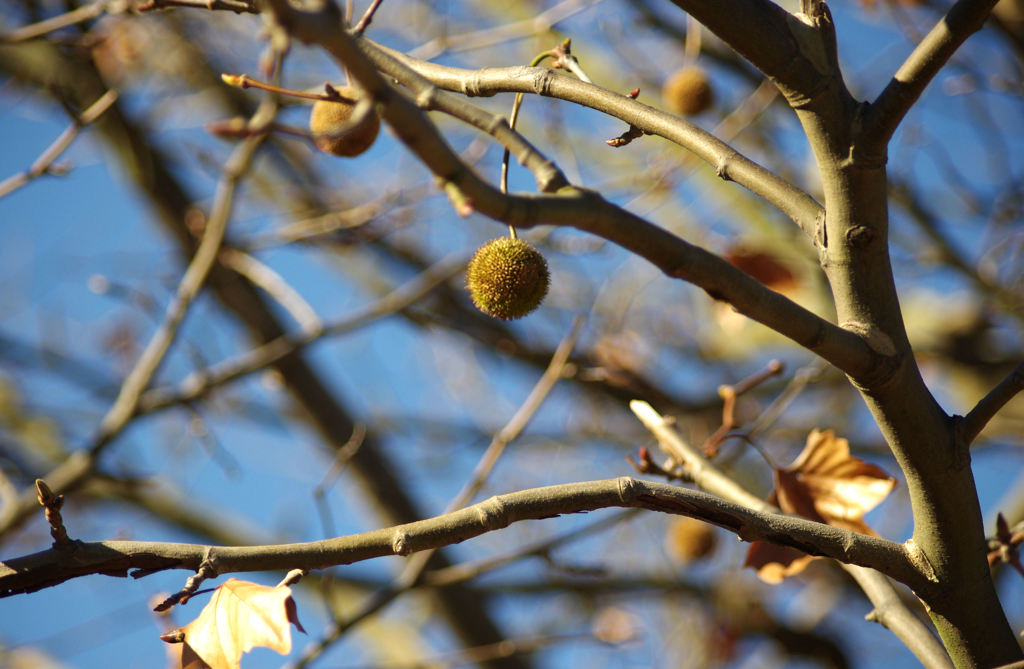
(825,483)
(240,616)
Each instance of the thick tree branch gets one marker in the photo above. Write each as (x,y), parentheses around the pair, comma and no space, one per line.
(889,609)
(795,51)
(582,209)
(988,406)
(938,46)
(728,163)
(117,558)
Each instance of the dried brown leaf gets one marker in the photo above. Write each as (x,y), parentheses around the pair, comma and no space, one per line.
(825,483)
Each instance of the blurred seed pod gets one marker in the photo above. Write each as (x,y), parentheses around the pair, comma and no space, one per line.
(688,91)
(332,130)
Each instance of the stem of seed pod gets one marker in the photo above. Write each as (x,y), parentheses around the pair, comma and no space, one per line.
(245,81)
(691,48)
(537,60)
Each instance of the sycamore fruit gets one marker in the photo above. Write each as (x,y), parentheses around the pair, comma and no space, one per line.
(329,123)
(688,91)
(507,278)
(689,539)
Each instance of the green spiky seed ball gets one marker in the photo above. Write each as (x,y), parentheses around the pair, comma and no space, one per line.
(328,124)
(507,278)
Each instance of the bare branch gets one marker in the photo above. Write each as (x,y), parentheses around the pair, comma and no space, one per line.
(413,572)
(236,6)
(584,210)
(73,470)
(988,406)
(367,18)
(275,286)
(894,615)
(889,610)
(196,385)
(728,163)
(797,52)
(45,163)
(934,51)
(479,39)
(34,30)
(54,566)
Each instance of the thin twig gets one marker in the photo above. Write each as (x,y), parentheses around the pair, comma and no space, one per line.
(207,569)
(236,6)
(75,16)
(519,420)
(988,406)
(729,394)
(197,384)
(274,284)
(44,164)
(75,468)
(367,18)
(479,39)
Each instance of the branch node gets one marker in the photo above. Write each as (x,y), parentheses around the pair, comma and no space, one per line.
(492,514)
(400,543)
(629,489)
(878,341)
(207,569)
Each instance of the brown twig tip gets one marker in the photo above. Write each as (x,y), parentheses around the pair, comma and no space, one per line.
(174,636)
(625,138)
(52,503)
(238,80)
(45,495)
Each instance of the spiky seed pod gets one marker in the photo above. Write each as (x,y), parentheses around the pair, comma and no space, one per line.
(327,123)
(507,278)
(688,91)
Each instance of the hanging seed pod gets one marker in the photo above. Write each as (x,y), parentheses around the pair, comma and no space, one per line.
(688,91)
(507,278)
(328,123)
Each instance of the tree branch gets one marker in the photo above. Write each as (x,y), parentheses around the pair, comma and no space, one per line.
(582,209)
(44,164)
(938,46)
(795,51)
(201,382)
(975,421)
(728,163)
(116,558)
(889,609)
(895,616)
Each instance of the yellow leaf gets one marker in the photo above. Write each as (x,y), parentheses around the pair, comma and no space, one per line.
(240,616)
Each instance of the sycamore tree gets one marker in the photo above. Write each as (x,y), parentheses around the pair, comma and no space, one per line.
(746,270)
